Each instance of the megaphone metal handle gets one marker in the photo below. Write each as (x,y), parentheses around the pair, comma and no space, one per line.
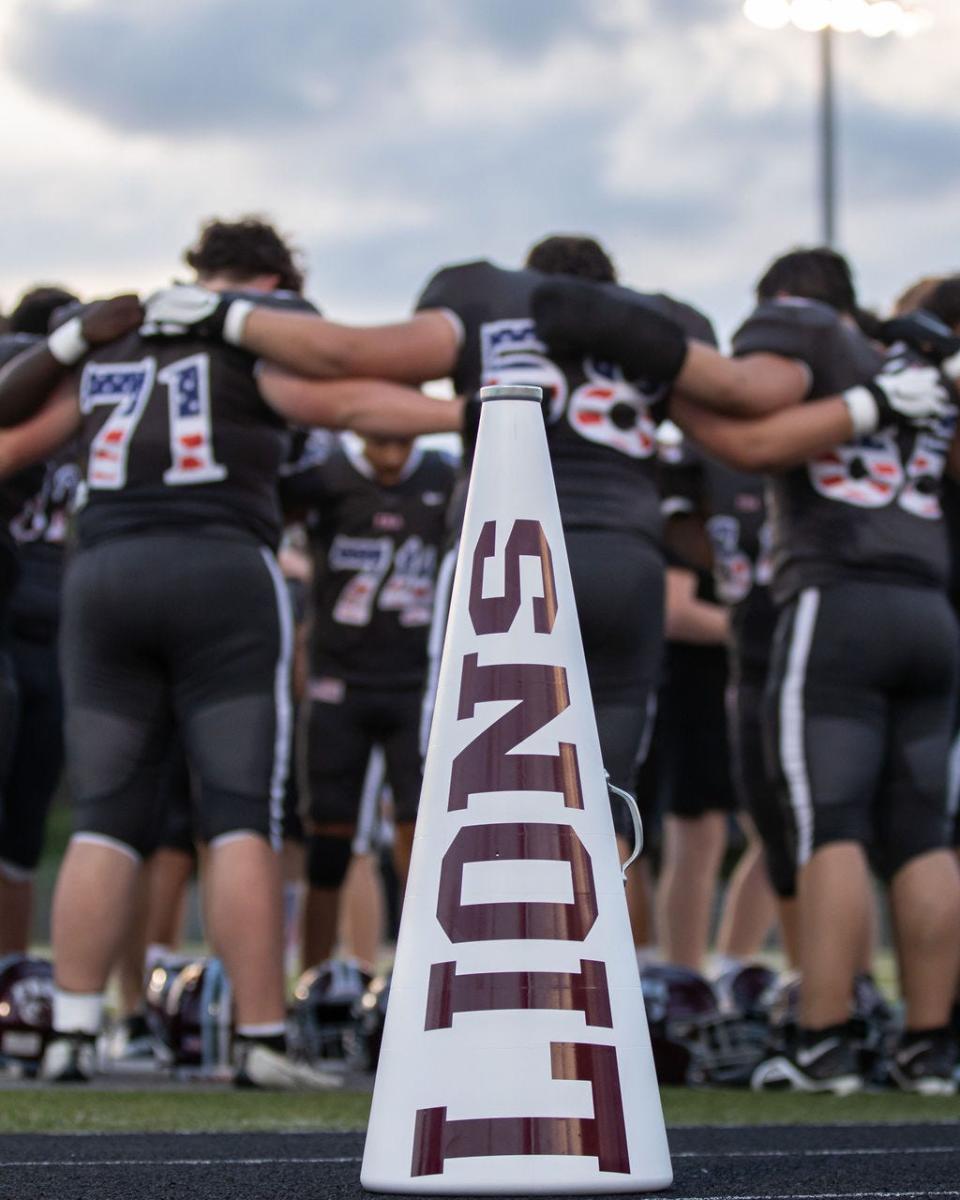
(631,803)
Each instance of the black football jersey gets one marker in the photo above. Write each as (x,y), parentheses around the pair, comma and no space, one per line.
(600,426)
(950,499)
(175,433)
(18,488)
(44,517)
(732,505)
(869,508)
(376,552)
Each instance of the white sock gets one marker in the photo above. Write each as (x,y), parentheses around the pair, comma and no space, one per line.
(269,1029)
(77,1012)
(647,954)
(720,964)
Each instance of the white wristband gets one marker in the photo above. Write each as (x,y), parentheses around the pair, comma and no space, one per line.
(951,367)
(862,408)
(235,320)
(67,344)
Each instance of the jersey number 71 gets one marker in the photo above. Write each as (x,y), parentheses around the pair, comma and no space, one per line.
(127,388)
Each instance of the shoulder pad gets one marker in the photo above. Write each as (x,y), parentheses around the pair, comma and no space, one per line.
(292,301)
(444,285)
(789,327)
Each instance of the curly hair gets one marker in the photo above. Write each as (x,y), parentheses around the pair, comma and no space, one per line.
(572,254)
(814,274)
(36,307)
(241,250)
(944,301)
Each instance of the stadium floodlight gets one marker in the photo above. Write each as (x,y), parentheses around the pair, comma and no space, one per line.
(847,16)
(876,19)
(811,15)
(768,14)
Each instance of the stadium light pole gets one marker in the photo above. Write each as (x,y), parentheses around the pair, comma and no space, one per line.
(876,19)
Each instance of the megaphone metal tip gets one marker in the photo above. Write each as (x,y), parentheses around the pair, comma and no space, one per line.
(511,391)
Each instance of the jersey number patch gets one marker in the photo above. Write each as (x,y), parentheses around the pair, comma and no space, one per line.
(872,474)
(127,388)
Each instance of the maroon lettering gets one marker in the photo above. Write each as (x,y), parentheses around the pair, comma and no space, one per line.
(501,920)
(496,614)
(484,991)
(486,764)
(602,1136)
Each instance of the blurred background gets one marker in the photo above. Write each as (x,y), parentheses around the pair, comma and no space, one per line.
(390,136)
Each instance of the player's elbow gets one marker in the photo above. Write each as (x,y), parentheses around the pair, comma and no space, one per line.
(754,452)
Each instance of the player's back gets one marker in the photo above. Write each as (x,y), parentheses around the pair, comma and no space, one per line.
(600,426)
(870,508)
(175,433)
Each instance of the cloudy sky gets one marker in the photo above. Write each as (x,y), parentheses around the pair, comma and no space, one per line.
(391,136)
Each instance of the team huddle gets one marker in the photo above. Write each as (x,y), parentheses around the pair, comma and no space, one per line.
(223,621)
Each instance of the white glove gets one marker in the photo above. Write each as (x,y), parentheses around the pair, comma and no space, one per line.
(915,396)
(186,309)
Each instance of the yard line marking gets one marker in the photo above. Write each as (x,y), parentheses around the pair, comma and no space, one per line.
(330,1161)
(814,1153)
(830,1196)
(179,1162)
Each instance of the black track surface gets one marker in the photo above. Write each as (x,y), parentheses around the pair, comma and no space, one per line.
(861,1162)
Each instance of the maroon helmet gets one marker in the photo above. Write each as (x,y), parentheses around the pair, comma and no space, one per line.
(324,1000)
(745,990)
(695,1040)
(26,1010)
(370,1014)
(190,1014)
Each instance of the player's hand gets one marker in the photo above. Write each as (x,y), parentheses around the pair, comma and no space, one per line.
(106,320)
(928,336)
(915,397)
(93,325)
(578,319)
(186,310)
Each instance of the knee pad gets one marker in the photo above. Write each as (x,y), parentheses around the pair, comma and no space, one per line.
(846,822)
(328,859)
(221,813)
(925,834)
(113,818)
(782,871)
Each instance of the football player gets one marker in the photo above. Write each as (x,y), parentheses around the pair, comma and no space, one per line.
(176,617)
(940,297)
(600,430)
(861,693)
(34,504)
(729,509)
(479,324)
(692,729)
(376,518)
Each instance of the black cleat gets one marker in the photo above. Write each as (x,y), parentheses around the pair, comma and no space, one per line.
(828,1064)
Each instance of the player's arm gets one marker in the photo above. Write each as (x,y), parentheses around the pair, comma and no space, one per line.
(41,435)
(27,380)
(424,347)
(915,397)
(688,618)
(769,443)
(740,387)
(953,458)
(576,318)
(366,406)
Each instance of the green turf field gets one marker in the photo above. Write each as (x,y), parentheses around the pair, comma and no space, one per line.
(90,1110)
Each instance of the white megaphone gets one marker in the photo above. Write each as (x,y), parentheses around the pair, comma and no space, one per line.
(516,1056)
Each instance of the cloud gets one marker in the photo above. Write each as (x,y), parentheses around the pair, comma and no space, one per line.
(226,65)
(391,137)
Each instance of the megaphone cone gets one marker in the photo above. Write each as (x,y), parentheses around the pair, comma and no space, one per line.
(516,1056)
